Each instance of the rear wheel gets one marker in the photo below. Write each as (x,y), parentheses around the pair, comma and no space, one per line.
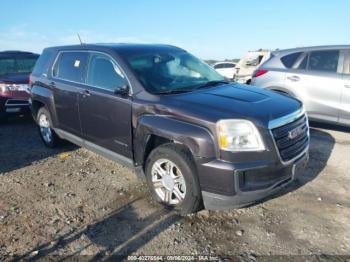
(171,176)
(47,134)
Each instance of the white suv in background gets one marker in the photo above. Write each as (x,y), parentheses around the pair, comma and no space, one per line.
(249,63)
(226,69)
(318,76)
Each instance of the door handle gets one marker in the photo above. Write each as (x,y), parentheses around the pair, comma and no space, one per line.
(85,93)
(52,84)
(293,78)
(347,85)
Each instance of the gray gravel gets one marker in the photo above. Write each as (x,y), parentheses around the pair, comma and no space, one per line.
(72,202)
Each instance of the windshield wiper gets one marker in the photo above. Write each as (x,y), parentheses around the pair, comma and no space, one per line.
(211,83)
(173,91)
(184,90)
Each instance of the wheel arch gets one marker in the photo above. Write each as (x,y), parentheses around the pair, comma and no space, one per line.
(152,131)
(42,96)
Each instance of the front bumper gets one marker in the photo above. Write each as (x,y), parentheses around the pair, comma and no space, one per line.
(252,183)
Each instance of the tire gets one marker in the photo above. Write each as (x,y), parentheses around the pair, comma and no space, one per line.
(185,196)
(47,134)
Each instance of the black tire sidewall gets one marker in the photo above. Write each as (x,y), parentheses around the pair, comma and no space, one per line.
(54,138)
(180,157)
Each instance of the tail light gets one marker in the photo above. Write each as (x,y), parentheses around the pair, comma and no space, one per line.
(259,72)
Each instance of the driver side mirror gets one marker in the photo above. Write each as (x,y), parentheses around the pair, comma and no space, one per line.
(122,90)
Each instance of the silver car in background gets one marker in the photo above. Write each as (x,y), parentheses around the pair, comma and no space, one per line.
(318,76)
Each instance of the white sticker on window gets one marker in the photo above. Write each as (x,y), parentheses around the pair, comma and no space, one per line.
(77,63)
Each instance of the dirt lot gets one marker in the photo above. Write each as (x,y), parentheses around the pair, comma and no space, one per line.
(71,202)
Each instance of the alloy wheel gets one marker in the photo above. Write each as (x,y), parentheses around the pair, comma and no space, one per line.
(45,128)
(168,182)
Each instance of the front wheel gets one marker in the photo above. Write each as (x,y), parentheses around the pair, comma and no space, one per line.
(171,176)
(47,134)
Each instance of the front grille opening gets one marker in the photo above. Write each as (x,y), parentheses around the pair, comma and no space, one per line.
(292,139)
(17,102)
(251,180)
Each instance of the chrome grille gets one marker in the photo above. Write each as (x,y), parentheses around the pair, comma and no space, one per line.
(292,139)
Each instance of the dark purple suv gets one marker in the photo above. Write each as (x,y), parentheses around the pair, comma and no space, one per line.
(195,137)
(15,68)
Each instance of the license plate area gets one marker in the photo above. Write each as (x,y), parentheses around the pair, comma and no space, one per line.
(13,110)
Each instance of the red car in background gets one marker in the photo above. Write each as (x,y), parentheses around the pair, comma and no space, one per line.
(15,68)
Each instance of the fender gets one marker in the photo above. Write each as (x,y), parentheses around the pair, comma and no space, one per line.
(198,139)
(46,97)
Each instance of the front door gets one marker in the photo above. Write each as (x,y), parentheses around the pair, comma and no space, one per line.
(106,116)
(68,78)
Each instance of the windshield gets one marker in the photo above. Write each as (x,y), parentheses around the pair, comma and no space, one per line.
(17,65)
(164,72)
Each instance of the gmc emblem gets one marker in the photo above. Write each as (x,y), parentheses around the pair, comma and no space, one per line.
(295,132)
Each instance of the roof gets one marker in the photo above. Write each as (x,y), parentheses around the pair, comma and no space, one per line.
(225,62)
(16,52)
(310,48)
(123,47)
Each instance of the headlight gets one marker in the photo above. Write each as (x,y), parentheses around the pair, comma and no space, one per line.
(238,135)
(14,87)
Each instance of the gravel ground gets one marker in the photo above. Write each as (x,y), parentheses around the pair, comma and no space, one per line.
(72,202)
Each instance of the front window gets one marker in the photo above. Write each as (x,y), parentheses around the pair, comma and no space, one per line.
(17,65)
(104,73)
(164,72)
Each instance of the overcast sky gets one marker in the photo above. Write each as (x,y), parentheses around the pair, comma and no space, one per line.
(216,29)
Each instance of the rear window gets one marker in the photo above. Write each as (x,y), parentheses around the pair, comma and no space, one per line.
(289,60)
(224,65)
(71,66)
(41,66)
(326,61)
(17,64)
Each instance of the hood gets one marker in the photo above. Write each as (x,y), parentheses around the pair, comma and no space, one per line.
(235,101)
(15,79)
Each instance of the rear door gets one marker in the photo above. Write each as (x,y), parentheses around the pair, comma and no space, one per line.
(68,81)
(106,116)
(318,82)
(345,100)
